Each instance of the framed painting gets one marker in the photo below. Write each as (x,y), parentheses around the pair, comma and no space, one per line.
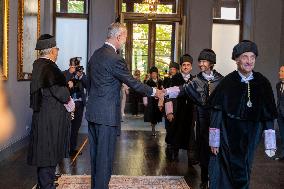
(4,27)
(28,32)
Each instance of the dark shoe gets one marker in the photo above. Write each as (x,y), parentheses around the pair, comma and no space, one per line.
(203,185)
(170,153)
(153,130)
(74,152)
(175,155)
(279,158)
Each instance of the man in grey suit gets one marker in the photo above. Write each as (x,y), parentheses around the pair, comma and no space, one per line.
(106,73)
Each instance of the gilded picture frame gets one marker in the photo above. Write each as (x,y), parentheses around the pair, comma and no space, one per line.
(28,32)
(4,35)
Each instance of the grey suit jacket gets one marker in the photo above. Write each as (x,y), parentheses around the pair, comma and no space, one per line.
(106,73)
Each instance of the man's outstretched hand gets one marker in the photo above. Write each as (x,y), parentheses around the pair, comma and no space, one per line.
(160,94)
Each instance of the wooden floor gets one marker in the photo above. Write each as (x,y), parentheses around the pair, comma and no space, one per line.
(138,153)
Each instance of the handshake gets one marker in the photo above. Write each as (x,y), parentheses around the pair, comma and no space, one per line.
(171,92)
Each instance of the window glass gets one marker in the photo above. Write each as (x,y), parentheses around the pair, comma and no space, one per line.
(71,6)
(140,48)
(224,38)
(163,48)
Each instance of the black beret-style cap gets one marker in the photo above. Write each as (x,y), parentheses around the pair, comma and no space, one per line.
(153,69)
(174,65)
(207,54)
(45,41)
(186,58)
(244,46)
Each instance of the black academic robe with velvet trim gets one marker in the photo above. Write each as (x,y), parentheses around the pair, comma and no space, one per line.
(50,130)
(199,91)
(152,113)
(240,128)
(181,128)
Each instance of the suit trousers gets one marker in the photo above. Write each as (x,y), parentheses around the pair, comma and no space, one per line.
(280,121)
(102,147)
(46,177)
(76,124)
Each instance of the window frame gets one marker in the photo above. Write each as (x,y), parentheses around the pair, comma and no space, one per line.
(73,15)
(232,22)
(70,15)
(129,17)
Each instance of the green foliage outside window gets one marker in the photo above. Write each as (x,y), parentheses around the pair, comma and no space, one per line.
(140,47)
(141,41)
(141,8)
(73,6)
(163,47)
(164,9)
(76,7)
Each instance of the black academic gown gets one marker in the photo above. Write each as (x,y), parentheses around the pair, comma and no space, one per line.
(180,129)
(240,128)
(50,131)
(199,91)
(152,113)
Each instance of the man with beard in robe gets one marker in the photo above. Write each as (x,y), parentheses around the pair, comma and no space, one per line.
(168,82)
(199,90)
(180,131)
(49,137)
(243,107)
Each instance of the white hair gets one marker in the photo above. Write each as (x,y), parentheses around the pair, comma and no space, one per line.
(115,29)
(44,52)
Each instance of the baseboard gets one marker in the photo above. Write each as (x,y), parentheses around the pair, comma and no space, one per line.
(10,150)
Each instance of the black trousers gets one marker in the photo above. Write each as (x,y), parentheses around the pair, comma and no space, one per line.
(46,176)
(102,146)
(76,124)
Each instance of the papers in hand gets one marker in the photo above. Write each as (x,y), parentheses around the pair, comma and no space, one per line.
(70,106)
(173,92)
(169,107)
(270,142)
(214,137)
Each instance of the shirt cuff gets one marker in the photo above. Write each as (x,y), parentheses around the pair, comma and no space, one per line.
(270,139)
(154,91)
(214,137)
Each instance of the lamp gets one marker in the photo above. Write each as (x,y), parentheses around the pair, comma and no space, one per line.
(152,5)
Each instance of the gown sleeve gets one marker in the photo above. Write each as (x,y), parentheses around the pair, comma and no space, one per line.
(61,93)
(214,129)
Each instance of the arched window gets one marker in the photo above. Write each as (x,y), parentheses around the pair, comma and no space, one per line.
(226,32)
